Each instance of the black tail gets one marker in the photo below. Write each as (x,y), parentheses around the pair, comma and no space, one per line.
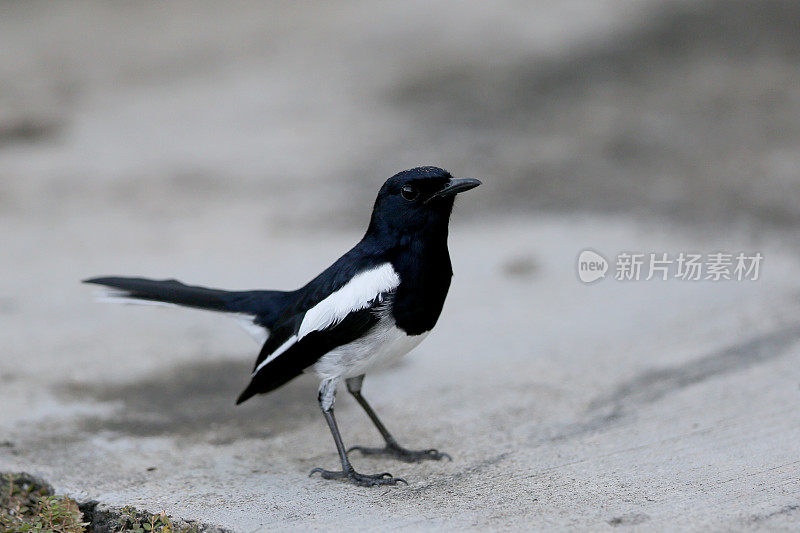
(263,304)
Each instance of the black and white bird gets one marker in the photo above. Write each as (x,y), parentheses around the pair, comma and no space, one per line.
(373,305)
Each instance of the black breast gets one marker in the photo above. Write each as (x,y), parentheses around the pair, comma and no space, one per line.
(425,272)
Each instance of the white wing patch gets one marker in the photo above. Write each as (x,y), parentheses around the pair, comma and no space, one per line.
(355,295)
(282,348)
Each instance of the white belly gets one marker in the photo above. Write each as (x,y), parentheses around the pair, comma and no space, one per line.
(382,345)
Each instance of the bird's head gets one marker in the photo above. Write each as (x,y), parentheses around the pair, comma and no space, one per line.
(417,199)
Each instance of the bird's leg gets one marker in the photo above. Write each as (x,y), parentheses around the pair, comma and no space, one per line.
(327,393)
(391,448)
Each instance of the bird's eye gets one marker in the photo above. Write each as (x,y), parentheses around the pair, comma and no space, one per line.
(409,193)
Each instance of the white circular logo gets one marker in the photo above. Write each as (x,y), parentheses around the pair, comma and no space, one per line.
(591,266)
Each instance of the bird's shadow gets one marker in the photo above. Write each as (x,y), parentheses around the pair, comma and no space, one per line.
(196,400)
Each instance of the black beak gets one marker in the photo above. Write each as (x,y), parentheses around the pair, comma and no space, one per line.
(457,185)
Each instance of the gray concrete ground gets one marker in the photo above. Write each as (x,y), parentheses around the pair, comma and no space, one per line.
(242,148)
(666,403)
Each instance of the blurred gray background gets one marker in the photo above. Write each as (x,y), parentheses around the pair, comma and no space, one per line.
(241,144)
(682,108)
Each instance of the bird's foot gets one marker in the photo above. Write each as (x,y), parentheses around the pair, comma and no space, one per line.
(363,480)
(398,452)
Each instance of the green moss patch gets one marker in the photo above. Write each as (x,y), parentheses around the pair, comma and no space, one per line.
(28,504)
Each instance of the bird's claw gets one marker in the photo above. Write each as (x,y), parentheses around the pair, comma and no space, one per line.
(408,456)
(363,480)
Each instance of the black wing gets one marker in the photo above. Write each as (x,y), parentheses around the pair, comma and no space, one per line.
(363,256)
(304,352)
